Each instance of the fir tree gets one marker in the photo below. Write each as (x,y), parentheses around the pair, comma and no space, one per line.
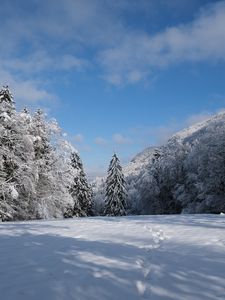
(80,189)
(8,162)
(7,112)
(7,104)
(115,189)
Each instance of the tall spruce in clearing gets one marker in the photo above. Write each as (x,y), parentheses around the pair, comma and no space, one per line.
(80,189)
(115,189)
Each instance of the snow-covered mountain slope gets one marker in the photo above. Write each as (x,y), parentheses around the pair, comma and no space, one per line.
(139,257)
(141,160)
(185,174)
(144,158)
(200,128)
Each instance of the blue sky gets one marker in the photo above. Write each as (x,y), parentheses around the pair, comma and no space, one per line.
(117,75)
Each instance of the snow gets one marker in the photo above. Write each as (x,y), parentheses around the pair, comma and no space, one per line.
(14,192)
(5,116)
(138,257)
(144,158)
(140,161)
(197,127)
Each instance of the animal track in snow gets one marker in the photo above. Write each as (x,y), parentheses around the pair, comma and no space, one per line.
(157,236)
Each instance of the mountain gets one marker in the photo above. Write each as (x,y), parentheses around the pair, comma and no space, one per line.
(141,161)
(187,135)
(185,175)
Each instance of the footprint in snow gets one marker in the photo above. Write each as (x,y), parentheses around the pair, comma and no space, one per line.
(157,236)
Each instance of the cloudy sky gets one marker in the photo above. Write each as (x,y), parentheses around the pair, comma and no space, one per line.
(118,75)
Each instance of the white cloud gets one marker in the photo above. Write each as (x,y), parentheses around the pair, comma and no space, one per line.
(100,141)
(200,117)
(42,61)
(120,139)
(25,91)
(139,53)
(144,136)
(59,35)
(196,118)
(79,138)
(70,62)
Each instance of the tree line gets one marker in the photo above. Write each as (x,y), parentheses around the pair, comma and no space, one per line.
(42,175)
(185,175)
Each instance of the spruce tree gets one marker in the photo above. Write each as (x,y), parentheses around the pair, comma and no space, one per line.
(115,203)
(8,161)
(7,104)
(35,170)
(80,189)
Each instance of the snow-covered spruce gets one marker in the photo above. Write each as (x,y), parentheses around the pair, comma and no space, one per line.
(80,189)
(35,168)
(115,189)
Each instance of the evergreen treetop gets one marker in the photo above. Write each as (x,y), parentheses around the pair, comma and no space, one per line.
(7,104)
(80,189)
(115,189)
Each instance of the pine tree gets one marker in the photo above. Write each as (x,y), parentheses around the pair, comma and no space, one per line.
(115,189)
(80,189)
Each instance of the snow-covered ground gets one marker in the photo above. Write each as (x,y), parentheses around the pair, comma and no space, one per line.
(143,257)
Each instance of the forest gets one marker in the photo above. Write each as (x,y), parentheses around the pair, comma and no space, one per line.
(42,175)
(184,175)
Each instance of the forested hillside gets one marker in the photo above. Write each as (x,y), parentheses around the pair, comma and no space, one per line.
(187,174)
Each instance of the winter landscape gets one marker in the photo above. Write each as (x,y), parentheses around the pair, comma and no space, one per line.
(112,150)
(138,257)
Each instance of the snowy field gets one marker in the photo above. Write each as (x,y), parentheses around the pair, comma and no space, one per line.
(143,257)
